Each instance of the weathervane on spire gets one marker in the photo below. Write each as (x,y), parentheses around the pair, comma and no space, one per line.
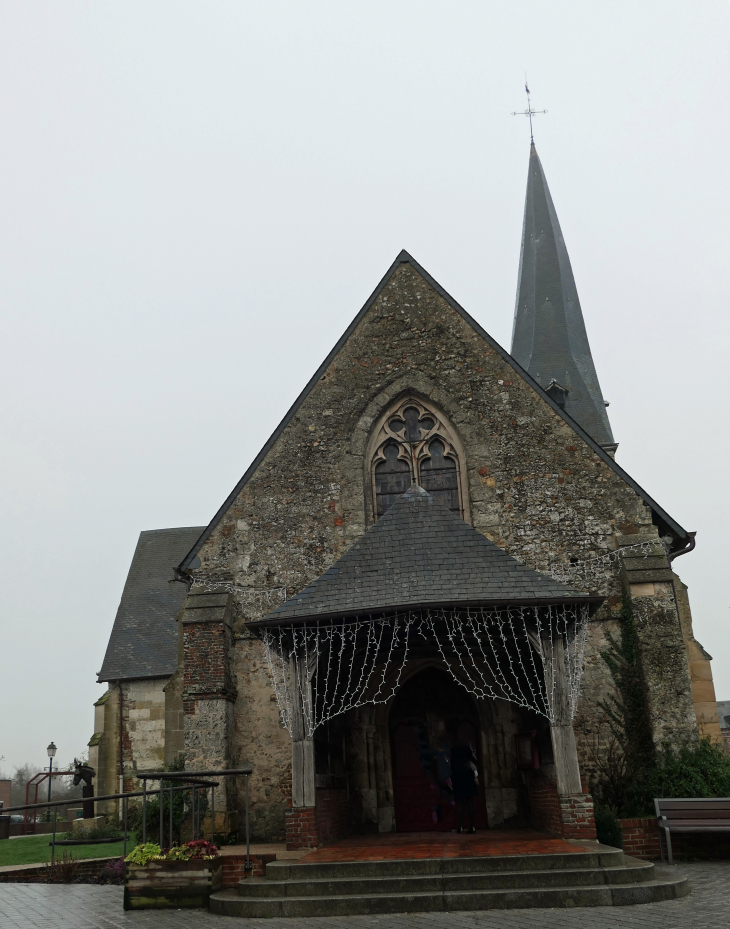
(529,112)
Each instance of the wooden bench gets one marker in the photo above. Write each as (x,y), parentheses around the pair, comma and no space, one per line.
(691,815)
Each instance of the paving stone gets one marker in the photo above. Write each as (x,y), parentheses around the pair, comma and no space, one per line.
(82,906)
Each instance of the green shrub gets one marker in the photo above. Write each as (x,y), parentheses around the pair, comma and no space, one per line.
(608,828)
(144,853)
(701,769)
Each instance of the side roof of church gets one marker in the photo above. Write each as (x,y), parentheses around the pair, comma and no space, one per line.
(144,638)
(667,523)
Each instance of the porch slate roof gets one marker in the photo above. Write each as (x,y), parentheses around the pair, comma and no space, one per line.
(420,554)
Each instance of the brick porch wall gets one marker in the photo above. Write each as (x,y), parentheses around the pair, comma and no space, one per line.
(545,807)
(301,827)
(577,816)
(570,817)
(20,874)
(641,838)
(234,868)
(333,821)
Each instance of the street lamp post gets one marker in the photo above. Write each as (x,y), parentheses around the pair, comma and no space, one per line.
(51,755)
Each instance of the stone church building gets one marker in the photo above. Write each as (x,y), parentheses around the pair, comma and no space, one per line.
(432,546)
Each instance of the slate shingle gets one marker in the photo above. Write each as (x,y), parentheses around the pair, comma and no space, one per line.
(420,553)
(143,642)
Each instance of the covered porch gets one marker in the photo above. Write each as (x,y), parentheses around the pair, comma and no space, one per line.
(423,635)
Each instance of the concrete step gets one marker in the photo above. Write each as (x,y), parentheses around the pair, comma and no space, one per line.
(604,856)
(664,886)
(445,883)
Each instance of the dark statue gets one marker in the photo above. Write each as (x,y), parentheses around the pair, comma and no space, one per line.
(84,772)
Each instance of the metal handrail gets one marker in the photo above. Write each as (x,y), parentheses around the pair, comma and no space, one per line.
(171,776)
(166,775)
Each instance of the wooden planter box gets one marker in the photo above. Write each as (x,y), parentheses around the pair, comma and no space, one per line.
(178,884)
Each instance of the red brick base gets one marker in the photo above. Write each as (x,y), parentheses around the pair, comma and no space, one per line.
(641,840)
(641,837)
(86,868)
(545,807)
(312,826)
(332,815)
(577,816)
(234,868)
(301,827)
(570,817)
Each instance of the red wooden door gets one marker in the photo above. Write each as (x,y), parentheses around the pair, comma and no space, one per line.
(421,722)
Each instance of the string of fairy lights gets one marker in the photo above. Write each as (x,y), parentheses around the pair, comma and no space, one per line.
(271,596)
(515,654)
(592,567)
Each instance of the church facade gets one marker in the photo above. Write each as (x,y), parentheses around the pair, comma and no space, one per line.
(425,480)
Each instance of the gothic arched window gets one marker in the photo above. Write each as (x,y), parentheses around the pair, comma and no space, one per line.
(411,442)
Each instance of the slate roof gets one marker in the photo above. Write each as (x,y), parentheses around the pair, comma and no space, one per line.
(144,642)
(723,712)
(549,336)
(419,554)
(666,522)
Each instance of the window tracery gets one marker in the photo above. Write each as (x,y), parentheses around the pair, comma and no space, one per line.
(412,441)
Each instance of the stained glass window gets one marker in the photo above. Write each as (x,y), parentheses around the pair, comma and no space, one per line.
(413,441)
(392,478)
(438,476)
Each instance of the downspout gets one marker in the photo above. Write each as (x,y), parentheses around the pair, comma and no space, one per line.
(121,743)
(688,547)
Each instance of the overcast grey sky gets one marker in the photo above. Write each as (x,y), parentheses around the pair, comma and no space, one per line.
(196,199)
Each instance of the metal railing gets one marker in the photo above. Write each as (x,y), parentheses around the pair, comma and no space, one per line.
(196,781)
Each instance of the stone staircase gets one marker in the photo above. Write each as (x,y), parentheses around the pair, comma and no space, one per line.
(603,876)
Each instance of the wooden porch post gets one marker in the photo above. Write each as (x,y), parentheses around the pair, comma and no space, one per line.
(565,753)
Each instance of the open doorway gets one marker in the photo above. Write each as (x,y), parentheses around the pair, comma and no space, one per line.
(430,714)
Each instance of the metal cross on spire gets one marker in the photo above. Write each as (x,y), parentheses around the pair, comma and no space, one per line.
(529,112)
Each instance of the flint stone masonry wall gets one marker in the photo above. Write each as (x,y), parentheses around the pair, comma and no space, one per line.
(535,487)
(260,740)
(208,688)
(663,658)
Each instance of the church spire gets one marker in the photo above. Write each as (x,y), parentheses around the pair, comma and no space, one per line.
(549,336)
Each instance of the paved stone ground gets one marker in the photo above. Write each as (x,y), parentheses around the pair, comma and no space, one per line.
(43,906)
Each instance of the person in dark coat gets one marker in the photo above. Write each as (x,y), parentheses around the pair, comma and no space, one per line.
(465,780)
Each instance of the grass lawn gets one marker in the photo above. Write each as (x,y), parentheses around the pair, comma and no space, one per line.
(35,849)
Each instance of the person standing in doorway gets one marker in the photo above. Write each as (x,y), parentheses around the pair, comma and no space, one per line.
(465,780)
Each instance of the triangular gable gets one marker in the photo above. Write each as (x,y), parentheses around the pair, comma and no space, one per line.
(404,258)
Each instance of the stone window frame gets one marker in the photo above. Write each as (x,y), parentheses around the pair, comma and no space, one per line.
(442,429)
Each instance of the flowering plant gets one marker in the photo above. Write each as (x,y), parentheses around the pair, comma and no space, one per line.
(201,849)
(191,850)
